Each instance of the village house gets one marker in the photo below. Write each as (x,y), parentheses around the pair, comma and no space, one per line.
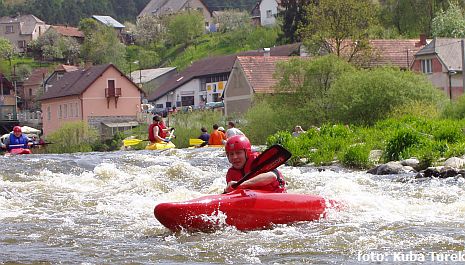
(265,12)
(204,81)
(441,62)
(21,29)
(100,95)
(8,111)
(70,32)
(31,88)
(250,75)
(151,79)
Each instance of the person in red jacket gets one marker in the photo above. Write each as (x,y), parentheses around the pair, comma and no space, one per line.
(240,155)
(158,130)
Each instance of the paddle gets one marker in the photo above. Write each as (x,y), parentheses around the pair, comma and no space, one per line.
(128,142)
(196,141)
(270,159)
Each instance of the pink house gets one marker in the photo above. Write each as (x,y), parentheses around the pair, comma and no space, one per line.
(100,95)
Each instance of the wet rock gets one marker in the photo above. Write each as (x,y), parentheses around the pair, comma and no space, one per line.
(454,162)
(411,162)
(388,169)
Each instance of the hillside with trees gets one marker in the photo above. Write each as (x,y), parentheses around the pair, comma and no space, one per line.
(70,12)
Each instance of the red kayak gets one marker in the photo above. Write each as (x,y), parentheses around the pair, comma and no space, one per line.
(243,209)
(20,151)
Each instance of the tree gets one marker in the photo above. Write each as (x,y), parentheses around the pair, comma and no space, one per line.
(366,96)
(53,46)
(449,23)
(304,87)
(293,15)
(7,50)
(101,44)
(150,29)
(230,20)
(339,26)
(185,26)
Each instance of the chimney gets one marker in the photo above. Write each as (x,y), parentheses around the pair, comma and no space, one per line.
(266,52)
(422,41)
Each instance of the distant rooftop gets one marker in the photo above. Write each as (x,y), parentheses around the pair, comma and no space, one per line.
(146,75)
(109,21)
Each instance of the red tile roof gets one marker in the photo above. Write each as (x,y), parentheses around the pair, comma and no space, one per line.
(400,53)
(259,71)
(69,31)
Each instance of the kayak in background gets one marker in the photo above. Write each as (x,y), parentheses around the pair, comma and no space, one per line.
(159,146)
(243,209)
(19,151)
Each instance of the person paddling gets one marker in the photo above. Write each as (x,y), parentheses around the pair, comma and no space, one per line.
(17,140)
(240,155)
(216,137)
(158,131)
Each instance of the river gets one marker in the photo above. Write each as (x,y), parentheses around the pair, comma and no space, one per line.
(97,208)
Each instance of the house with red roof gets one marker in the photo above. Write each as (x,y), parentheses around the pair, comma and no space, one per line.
(441,62)
(250,75)
(101,95)
(67,31)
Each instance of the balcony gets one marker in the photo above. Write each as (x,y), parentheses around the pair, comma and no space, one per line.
(112,92)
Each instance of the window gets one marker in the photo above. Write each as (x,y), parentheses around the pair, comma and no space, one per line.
(22,44)
(426,66)
(60,112)
(30,92)
(187,100)
(49,113)
(9,29)
(71,109)
(65,111)
(269,13)
(77,109)
(159,106)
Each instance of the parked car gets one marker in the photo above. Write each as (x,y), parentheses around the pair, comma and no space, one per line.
(160,111)
(214,105)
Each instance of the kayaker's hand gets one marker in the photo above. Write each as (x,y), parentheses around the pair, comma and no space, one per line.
(30,143)
(229,188)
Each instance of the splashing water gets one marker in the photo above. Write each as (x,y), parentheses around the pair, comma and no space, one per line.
(97,208)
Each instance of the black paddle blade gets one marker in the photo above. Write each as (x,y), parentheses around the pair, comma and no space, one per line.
(270,159)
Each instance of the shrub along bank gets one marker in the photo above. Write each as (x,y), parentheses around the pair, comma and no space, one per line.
(428,139)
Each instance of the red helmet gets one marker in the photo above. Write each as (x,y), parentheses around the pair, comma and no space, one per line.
(238,142)
(17,129)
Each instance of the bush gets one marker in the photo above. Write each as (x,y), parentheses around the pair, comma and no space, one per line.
(356,156)
(72,137)
(398,146)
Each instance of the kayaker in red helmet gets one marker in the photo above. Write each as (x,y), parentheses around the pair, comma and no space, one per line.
(240,155)
(16,140)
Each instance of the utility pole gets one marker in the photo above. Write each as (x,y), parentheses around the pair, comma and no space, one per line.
(462,42)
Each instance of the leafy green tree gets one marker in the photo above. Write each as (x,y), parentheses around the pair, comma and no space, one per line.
(332,23)
(293,16)
(230,20)
(304,87)
(185,26)
(367,96)
(101,44)
(449,23)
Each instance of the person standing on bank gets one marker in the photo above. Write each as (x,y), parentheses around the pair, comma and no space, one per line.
(232,130)
(16,140)
(240,155)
